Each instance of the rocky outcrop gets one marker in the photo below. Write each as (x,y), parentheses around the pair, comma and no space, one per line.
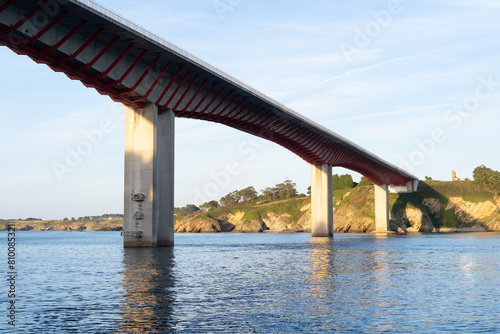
(277,222)
(304,223)
(350,218)
(454,215)
(412,220)
(484,214)
(282,222)
(251,226)
(203,225)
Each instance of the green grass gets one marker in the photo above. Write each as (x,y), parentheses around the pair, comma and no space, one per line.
(362,197)
(448,218)
(273,203)
(252,215)
(204,215)
(466,189)
(253,212)
(292,207)
(339,194)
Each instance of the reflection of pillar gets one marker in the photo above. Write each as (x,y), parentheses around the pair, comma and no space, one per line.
(148,290)
(321,201)
(149,172)
(322,264)
(381,208)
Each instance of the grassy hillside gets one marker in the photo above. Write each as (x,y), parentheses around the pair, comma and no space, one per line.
(246,217)
(447,214)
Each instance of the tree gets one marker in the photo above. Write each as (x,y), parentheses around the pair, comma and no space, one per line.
(428,178)
(342,182)
(345,181)
(65,219)
(230,199)
(287,189)
(335,181)
(248,194)
(481,174)
(187,210)
(269,193)
(488,178)
(309,191)
(365,182)
(209,205)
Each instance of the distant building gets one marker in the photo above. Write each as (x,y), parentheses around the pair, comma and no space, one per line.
(454,176)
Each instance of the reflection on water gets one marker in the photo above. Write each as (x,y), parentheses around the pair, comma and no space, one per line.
(148,283)
(322,270)
(258,283)
(347,278)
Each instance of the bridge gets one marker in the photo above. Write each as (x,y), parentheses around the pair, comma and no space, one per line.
(157,81)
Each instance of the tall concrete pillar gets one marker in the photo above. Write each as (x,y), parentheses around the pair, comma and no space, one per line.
(382,208)
(165,184)
(321,201)
(149,186)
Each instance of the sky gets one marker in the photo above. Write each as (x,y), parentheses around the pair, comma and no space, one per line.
(415,82)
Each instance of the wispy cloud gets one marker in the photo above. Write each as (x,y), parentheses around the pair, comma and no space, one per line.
(486,4)
(412,57)
(397,112)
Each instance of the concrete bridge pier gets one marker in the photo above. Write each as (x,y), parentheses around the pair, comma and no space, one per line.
(381,208)
(149,177)
(321,201)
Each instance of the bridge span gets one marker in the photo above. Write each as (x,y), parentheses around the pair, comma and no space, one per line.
(157,81)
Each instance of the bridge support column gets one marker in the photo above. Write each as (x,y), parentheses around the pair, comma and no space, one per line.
(321,201)
(381,208)
(149,177)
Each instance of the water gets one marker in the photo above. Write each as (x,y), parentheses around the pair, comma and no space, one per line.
(85,282)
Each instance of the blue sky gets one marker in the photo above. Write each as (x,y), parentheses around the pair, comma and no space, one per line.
(415,82)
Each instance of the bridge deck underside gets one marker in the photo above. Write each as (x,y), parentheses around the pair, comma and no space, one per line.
(136,70)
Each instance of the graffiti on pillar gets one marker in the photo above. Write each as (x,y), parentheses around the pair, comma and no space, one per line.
(138,197)
(138,215)
(133,234)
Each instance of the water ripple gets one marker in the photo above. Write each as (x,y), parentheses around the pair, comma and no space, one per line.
(258,283)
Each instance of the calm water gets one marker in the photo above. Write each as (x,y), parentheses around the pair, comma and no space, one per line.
(85,282)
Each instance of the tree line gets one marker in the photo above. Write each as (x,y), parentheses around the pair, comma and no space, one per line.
(284,190)
(345,181)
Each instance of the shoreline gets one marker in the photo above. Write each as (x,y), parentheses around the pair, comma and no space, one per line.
(437,231)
